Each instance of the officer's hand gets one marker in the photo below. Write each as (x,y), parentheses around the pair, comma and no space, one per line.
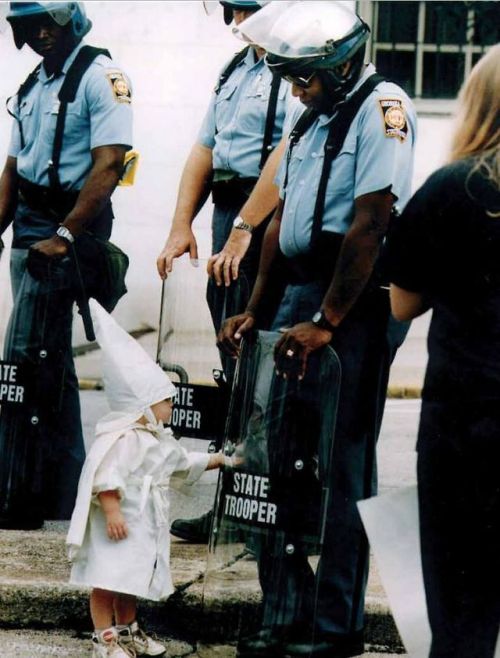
(293,348)
(180,241)
(54,247)
(224,266)
(229,337)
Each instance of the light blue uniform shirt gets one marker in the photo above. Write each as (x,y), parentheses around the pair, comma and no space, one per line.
(101,115)
(235,121)
(377,154)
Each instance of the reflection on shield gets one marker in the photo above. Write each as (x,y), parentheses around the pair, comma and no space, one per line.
(187,351)
(42,449)
(267,534)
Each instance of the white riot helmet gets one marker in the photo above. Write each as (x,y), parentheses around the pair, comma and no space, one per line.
(306,37)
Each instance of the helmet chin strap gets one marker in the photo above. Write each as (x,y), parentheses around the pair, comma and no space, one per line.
(335,91)
(337,86)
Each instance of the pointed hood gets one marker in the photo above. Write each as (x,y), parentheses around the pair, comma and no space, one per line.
(132,381)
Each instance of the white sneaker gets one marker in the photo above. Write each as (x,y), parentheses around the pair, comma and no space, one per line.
(105,645)
(143,645)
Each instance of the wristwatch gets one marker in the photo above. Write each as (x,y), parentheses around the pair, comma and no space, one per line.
(240,223)
(65,234)
(320,320)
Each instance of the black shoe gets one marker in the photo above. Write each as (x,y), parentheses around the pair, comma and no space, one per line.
(331,646)
(264,644)
(194,531)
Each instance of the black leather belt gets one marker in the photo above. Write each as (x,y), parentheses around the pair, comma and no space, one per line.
(46,200)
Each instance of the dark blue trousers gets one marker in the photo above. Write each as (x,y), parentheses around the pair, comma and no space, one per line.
(334,597)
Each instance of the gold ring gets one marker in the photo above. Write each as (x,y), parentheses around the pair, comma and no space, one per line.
(290,353)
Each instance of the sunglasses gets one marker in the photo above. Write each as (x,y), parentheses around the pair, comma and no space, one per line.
(299,81)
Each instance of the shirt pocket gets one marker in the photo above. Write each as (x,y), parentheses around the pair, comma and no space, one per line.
(223,106)
(342,177)
(76,126)
(294,166)
(253,111)
(26,117)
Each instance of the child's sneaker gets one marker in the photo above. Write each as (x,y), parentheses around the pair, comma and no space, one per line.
(105,645)
(143,645)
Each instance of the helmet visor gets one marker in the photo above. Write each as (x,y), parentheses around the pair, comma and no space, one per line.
(61,15)
(4,8)
(210,6)
(299,28)
(60,12)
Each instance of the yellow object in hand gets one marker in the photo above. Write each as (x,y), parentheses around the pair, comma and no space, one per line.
(130,164)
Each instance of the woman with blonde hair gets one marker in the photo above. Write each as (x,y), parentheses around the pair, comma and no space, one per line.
(445,255)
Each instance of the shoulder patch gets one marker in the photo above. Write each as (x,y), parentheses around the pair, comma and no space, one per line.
(393,113)
(119,87)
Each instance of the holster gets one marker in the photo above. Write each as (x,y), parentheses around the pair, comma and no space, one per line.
(233,191)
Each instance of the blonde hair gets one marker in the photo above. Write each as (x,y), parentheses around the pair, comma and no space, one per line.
(478,120)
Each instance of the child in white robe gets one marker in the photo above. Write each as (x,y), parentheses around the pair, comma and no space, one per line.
(119,540)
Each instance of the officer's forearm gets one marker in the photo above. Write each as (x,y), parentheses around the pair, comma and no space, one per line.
(269,251)
(357,256)
(8,192)
(194,186)
(265,195)
(98,188)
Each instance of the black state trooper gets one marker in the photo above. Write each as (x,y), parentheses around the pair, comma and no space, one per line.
(348,162)
(72,127)
(243,125)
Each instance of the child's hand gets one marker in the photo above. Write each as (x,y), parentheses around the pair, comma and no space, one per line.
(116,525)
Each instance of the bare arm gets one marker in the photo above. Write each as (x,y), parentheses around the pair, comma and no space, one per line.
(8,192)
(355,264)
(224,266)
(233,328)
(406,305)
(103,177)
(194,189)
(215,461)
(358,254)
(115,522)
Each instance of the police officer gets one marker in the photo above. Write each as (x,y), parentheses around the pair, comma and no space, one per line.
(72,127)
(242,126)
(330,223)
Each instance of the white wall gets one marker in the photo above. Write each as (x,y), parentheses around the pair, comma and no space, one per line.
(172,52)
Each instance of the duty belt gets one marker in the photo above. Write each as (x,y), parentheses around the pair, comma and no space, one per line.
(56,204)
(232,191)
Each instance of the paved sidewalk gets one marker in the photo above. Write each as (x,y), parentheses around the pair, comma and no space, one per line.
(28,644)
(34,570)
(34,593)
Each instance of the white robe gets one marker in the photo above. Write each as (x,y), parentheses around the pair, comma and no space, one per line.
(140,463)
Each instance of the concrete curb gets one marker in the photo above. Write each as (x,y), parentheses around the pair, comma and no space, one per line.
(60,606)
(35,594)
(393,392)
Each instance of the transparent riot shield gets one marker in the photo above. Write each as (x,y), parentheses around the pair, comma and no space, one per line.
(271,499)
(187,349)
(41,441)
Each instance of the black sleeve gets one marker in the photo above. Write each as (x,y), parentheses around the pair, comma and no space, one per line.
(409,254)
